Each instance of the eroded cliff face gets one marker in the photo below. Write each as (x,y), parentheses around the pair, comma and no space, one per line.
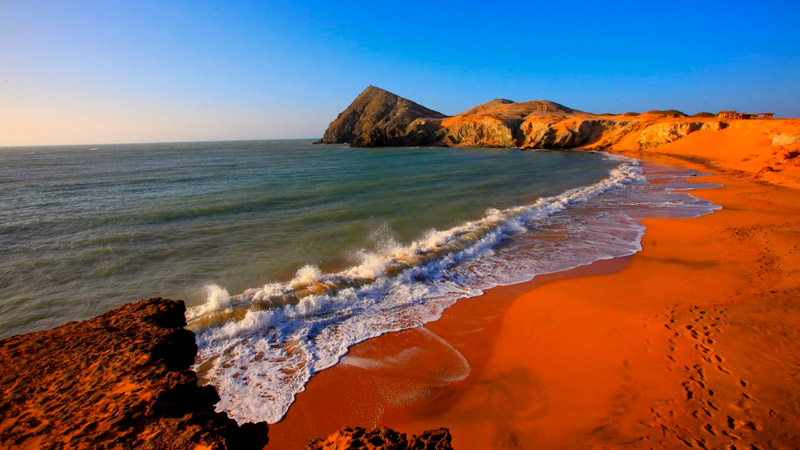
(379,118)
(119,380)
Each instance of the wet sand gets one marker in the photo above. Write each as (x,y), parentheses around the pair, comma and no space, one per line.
(693,342)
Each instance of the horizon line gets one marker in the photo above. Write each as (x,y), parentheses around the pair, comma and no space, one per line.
(158,142)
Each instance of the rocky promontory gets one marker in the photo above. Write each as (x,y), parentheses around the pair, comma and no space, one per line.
(377,118)
(119,380)
(380,118)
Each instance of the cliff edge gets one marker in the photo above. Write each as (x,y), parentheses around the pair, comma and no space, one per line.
(120,380)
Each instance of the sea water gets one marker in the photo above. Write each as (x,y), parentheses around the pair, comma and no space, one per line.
(288,253)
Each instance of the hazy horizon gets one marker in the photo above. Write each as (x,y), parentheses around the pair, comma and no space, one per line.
(95,73)
(85,144)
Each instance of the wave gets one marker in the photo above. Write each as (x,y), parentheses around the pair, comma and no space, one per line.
(440,249)
(260,347)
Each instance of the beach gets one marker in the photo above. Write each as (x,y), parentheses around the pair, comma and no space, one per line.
(652,318)
(692,342)
(323,226)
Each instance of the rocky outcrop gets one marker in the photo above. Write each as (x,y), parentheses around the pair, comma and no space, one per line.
(785,139)
(564,134)
(378,118)
(478,132)
(500,123)
(120,380)
(383,438)
(666,132)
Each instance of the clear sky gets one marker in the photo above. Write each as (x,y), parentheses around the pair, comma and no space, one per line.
(104,71)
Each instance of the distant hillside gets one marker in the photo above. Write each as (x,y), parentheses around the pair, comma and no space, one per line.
(379,118)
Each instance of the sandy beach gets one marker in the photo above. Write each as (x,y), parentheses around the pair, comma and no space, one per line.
(330,226)
(692,342)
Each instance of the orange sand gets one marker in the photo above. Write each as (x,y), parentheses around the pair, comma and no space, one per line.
(694,342)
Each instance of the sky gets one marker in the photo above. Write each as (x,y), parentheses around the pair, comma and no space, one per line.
(111,71)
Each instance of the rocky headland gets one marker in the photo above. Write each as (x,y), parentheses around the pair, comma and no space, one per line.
(378,118)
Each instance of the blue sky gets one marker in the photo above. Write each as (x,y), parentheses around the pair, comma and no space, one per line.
(114,71)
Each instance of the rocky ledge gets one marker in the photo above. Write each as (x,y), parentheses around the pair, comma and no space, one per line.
(119,380)
(380,118)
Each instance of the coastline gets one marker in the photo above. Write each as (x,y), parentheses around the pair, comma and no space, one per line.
(690,342)
(643,350)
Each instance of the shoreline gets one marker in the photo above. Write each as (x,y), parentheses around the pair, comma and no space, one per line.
(375,368)
(550,367)
(691,342)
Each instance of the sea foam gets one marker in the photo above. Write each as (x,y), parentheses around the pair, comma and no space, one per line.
(260,347)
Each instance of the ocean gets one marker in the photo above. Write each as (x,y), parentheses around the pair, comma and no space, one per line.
(288,253)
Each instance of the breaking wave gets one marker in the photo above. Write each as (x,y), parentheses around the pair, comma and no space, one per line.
(260,347)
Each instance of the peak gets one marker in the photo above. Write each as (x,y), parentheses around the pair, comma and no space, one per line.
(375,90)
(507,109)
(496,103)
(376,117)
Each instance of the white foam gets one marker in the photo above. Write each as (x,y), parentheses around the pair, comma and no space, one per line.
(306,275)
(217,298)
(262,346)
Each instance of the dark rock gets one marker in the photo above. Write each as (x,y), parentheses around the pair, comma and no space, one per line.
(383,438)
(438,439)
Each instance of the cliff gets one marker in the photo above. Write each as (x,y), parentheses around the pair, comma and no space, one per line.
(120,380)
(379,118)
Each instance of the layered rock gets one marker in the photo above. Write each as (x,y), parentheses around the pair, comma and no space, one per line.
(500,123)
(383,438)
(120,380)
(378,118)
(572,133)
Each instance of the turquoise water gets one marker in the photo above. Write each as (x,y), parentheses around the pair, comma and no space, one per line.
(86,229)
